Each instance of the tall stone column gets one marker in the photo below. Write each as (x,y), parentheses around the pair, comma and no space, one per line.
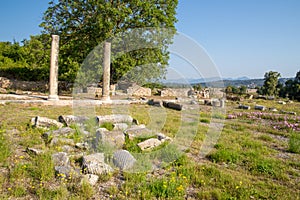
(106,71)
(53,81)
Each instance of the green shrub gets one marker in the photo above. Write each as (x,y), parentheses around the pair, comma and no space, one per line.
(25,73)
(266,138)
(171,187)
(18,191)
(224,155)
(294,143)
(42,167)
(109,126)
(4,147)
(85,191)
(205,121)
(265,167)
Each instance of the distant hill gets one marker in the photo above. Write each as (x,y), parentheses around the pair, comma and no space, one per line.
(218,82)
(239,78)
(250,83)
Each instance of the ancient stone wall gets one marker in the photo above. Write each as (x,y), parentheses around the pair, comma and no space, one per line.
(175,92)
(37,86)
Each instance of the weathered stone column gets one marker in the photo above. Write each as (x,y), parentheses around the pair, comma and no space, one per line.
(222,103)
(53,81)
(106,72)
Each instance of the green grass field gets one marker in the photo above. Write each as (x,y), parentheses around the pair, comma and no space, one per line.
(257,156)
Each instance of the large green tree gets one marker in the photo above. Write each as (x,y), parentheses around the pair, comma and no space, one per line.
(270,83)
(84,24)
(292,88)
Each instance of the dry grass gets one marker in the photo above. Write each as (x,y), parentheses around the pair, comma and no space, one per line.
(250,160)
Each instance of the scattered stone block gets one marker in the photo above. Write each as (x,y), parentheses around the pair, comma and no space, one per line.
(67,148)
(83,146)
(120,126)
(91,90)
(207,102)
(62,171)
(216,103)
(98,92)
(201,101)
(94,164)
(60,159)
(114,138)
(175,92)
(71,119)
(34,151)
(282,102)
(138,132)
(144,99)
(44,122)
(288,112)
(61,141)
(123,160)
(149,144)
(139,91)
(5,83)
(157,103)
(193,102)
(92,179)
(3,91)
(259,107)
(244,107)
(138,126)
(115,118)
(273,110)
(172,105)
(162,137)
(60,132)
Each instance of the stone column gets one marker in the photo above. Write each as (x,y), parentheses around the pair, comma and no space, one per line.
(222,103)
(53,81)
(106,72)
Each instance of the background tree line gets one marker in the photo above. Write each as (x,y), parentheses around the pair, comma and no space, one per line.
(290,89)
(272,87)
(28,60)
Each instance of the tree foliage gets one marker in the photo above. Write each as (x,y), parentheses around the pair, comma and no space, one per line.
(26,61)
(270,86)
(84,24)
(236,90)
(292,88)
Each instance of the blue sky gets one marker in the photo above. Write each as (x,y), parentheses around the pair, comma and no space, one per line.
(242,37)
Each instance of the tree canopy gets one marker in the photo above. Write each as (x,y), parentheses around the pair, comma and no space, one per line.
(292,88)
(270,83)
(28,60)
(84,24)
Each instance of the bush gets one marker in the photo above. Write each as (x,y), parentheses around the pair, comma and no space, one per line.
(109,126)
(224,155)
(294,143)
(4,148)
(25,73)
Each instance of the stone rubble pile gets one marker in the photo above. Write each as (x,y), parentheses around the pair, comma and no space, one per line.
(83,149)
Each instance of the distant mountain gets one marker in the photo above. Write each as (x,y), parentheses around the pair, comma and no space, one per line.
(203,80)
(218,82)
(239,78)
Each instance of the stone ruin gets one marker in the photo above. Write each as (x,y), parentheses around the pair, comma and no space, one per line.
(93,162)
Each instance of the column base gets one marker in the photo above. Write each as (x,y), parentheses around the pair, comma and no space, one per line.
(53,98)
(105,98)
